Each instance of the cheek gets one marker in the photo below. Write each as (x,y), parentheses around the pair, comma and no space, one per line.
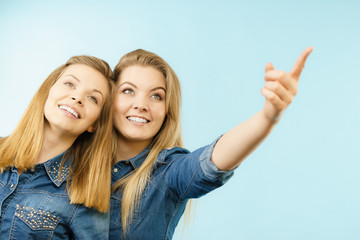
(161,114)
(117,107)
(120,105)
(55,93)
(47,108)
(118,111)
(94,114)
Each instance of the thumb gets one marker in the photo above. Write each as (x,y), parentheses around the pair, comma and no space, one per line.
(269,67)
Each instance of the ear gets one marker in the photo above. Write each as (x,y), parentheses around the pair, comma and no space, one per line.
(91,129)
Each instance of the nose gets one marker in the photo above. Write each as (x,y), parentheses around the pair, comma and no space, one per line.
(141,104)
(77,100)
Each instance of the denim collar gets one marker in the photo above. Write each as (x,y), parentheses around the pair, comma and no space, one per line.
(138,159)
(52,167)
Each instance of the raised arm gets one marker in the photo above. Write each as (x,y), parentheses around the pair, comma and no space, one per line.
(279,90)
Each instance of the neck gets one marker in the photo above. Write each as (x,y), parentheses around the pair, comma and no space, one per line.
(54,143)
(128,149)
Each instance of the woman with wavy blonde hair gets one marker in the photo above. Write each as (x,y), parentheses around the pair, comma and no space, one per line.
(153,176)
(55,166)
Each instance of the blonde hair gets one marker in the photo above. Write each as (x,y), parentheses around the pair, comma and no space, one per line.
(168,136)
(89,179)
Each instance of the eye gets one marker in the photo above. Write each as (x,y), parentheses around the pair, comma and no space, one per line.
(128,91)
(93,99)
(69,84)
(156,96)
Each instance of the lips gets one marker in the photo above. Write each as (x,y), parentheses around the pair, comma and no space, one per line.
(70,110)
(137,119)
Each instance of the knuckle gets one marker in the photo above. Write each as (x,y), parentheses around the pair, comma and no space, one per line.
(295,91)
(277,86)
(272,97)
(282,74)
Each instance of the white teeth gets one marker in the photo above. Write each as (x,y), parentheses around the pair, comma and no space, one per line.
(137,119)
(70,110)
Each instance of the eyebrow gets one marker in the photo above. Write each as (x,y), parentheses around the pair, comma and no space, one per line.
(94,90)
(155,88)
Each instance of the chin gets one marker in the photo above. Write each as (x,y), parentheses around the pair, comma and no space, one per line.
(137,138)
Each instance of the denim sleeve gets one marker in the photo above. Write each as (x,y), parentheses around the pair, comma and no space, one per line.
(88,223)
(192,175)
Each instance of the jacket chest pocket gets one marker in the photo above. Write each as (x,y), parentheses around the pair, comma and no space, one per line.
(31,223)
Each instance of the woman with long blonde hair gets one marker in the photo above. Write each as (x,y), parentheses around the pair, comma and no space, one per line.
(55,166)
(153,175)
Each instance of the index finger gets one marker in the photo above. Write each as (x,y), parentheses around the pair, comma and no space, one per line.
(300,63)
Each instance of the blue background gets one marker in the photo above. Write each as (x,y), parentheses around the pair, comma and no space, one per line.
(303,182)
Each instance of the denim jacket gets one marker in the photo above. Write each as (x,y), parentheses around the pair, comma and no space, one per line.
(178,176)
(35,205)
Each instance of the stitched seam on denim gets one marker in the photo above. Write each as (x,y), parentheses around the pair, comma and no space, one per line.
(57,195)
(12,228)
(190,183)
(27,181)
(34,190)
(166,187)
(215,175)
(73,214)
(1,221)
(172,218)
(117,221)
(217,178)
(44,202)
(212,176)
(116,197)
(51,234)
(162,155)
(205,159)
(10,204)
(138,209)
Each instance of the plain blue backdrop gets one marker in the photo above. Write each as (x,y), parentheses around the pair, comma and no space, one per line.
(303,182)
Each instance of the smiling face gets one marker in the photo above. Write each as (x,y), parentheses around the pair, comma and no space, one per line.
(75,100)
(139,104)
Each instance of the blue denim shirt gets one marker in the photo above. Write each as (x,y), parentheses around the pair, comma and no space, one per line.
(35,205)
(179,175)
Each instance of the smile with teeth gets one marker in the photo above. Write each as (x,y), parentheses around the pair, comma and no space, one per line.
(69,110)
(138,119)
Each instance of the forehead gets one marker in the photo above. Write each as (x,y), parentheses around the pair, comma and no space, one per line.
(81,70)
(142,76)
(87,76)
